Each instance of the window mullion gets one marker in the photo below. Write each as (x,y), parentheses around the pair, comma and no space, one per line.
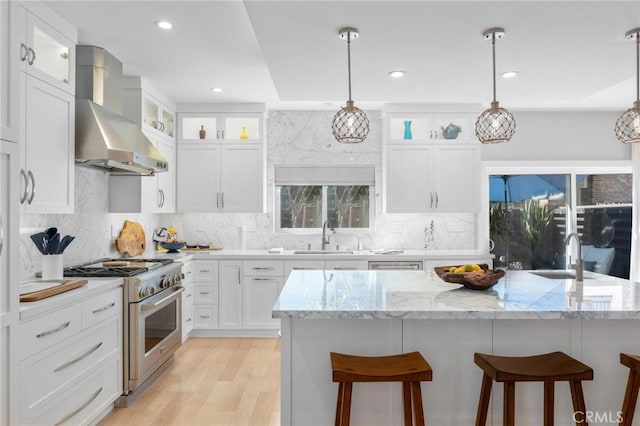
(325,212)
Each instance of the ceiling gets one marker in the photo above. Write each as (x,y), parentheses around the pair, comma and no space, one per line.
(287,54)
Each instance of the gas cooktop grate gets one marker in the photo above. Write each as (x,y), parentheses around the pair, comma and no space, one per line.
(91,270)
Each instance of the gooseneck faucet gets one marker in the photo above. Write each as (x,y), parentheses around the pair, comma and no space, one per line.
(578,264)
(325,237)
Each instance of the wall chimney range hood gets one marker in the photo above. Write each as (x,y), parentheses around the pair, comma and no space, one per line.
(104,138)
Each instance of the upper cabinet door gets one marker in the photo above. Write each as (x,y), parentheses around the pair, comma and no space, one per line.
(241,179)
(206,127)
(454,128)
(410,128)
(237,128)
(9,68)
(198,178)
(50,56)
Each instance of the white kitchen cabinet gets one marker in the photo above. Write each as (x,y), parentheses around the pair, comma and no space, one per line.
(44,44)
(296,265)
(230,294)
(9,69)
(47,148)
(450,128)
(187,298)
(146,194)
(262,282)
(220,177)
(9,261)
(421,177)
(221,127)
(149,108)
(70,361)
(205,294)
(350,264)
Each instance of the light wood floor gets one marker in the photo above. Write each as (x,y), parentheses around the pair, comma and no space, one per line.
(213,382)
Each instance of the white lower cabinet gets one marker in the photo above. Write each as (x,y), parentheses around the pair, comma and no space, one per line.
(262,282)
(205,294)
(230,294)
(205,317)
(70,361)
(346,264)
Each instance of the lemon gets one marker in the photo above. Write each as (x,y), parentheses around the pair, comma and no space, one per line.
(452,269)
(468,268)
(460,270)
(476,268)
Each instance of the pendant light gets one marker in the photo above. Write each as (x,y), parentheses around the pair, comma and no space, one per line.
(628,124)
(350,124)
(495,124)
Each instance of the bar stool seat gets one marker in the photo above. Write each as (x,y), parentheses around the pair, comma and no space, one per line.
(409,368)
(548,368)
(633,385)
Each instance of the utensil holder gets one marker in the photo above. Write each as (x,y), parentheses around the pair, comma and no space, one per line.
(52,267)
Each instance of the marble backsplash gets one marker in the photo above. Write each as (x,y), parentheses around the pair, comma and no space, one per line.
(293,137)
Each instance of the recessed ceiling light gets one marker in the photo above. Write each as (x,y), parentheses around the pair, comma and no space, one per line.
(509,74)
(165,25)
(396,74)
(216,89)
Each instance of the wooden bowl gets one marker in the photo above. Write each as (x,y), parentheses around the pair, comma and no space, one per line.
(472,280)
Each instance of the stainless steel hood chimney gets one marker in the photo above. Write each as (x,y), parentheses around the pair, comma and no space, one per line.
(104,138)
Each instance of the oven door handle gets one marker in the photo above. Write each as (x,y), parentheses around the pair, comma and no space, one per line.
(151,304)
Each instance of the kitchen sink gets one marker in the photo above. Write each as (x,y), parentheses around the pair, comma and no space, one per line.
(557,275)
(323,252)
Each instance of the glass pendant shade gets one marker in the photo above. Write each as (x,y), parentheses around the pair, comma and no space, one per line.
(350,124)
(495,125)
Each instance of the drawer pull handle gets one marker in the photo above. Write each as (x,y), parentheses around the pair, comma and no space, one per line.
(189,295)
(205,292)
(80,358)
(262,268)
(262,279)
(204,271)
(205,316)
(304,269)
(80,408)
(188,320)
(104,308)
(54,331)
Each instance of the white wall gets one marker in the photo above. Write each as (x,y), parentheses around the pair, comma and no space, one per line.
(556,135)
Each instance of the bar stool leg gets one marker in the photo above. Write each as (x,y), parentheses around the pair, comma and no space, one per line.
(417,403)
(483,404)
(346,404)
(548,403)
(406,403)
(509,409)
(578,403)
(630,398)
(339,404)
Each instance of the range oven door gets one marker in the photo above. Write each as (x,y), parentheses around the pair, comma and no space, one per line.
(155,333)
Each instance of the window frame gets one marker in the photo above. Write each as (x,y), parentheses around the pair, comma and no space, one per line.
(318,230)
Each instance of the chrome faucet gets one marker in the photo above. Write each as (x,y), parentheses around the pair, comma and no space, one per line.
(578,264)
(325,237)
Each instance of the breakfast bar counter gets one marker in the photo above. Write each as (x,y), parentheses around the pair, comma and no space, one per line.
(388,312)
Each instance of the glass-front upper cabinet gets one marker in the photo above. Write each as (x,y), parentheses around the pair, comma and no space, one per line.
(227,127)
(48,54)
(158,117)
(440,128)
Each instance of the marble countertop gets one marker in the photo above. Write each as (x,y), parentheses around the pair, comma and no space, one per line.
(29,310)
(423,295)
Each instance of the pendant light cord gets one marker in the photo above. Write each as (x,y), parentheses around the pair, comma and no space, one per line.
(493,48)
(349,61)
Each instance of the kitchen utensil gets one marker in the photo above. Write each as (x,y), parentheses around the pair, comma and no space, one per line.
(53,244)
(64,243)
(39,240)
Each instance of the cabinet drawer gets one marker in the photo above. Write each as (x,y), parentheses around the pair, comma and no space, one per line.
(187,296)
(346,264)
(40,333)
(205,270)
(187,270)
(48,371)
(205,294)
(101,307)
(290,265)
(187,321)
(205,316)
(82,402)
(262,268)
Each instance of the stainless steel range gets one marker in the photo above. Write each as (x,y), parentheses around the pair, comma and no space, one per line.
(152,322)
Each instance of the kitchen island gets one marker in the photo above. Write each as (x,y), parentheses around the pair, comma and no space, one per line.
(387,312)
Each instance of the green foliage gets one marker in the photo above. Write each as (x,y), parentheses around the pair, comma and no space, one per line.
(537,222)
(497,220)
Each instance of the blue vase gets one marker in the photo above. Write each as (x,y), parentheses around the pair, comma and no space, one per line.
(407,130)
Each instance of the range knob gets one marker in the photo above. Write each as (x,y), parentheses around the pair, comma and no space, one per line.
(176,279)
(141,292)
(166,282)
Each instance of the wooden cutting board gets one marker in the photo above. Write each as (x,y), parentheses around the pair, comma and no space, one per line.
(32,296)
(131,241)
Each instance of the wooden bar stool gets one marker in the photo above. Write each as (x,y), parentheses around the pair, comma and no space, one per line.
(548,368)
(410,369)
(633,384)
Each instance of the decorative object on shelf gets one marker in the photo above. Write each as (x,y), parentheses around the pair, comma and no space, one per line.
(407,130)
(628,124)
(131,241)
(172,247)
(350,124)
(495,124)
(428,235)
(244,134)
(451,131)
(477,277)
(202,132)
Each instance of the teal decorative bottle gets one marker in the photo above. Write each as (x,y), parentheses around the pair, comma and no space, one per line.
(407,130)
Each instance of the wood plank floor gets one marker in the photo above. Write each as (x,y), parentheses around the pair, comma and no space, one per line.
(213,382)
